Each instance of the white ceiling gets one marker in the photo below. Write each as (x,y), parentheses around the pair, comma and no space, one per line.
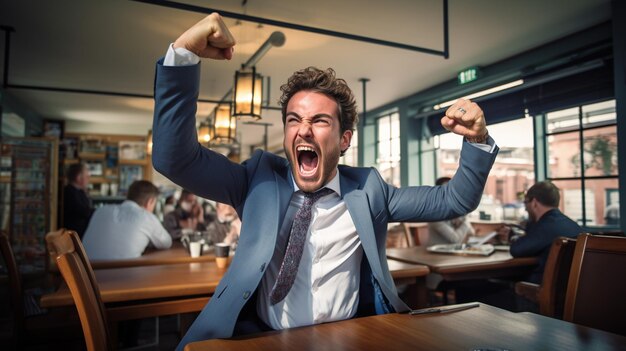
(113,45)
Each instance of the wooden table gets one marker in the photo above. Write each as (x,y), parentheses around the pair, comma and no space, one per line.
(456,267)
(484,327)
(176,254)
(148,291)
(137,286)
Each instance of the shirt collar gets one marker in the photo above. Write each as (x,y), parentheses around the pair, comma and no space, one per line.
(333,185)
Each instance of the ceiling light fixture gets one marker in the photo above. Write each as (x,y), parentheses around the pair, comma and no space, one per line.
(481,93)
(224,125)
(248,95)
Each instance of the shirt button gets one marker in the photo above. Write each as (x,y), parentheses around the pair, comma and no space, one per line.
(246,295)
(316,260)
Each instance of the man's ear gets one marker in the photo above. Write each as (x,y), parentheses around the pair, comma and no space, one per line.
(151,204)
(346,137)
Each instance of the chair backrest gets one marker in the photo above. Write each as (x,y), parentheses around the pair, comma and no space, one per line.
(555,277)
(399,236)
(596,287)
(80,279)
(15,285)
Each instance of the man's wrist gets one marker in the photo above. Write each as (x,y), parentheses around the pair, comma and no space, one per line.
(478,139)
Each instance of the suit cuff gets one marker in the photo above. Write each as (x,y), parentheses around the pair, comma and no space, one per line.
(180,57)
(489,147)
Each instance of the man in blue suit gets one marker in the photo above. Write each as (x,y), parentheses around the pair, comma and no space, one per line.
(342,271)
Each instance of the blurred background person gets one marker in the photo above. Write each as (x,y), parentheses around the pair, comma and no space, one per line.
(611,213)
(170,204)
(545,223)
(77,205)
(226,226)
(452,231)
(125,230)
(188,216)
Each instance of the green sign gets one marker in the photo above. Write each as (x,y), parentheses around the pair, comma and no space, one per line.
(468,75)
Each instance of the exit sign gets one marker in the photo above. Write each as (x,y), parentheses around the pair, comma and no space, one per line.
(468,75)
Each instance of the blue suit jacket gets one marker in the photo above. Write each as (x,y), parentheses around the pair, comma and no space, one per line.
(260,189)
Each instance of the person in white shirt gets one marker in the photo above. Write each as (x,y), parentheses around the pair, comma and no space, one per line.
(125,230)
(451,231)
(311,246)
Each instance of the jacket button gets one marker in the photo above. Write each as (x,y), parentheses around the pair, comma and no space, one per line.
(246,295)
(262,267)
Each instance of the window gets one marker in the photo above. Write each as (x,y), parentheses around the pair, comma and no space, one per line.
(581,147)
(512,173)
(388,147)
(351,157)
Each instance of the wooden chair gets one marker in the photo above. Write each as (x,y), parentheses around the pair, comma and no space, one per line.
(550,295)
(28,329)
(596,287)
(400,236)
(80,278)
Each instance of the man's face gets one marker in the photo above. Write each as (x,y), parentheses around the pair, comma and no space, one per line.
(83,179)
(313,139)
(186,203)
(530,208)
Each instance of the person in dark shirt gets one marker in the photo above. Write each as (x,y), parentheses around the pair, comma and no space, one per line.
(545,223)
(77,206)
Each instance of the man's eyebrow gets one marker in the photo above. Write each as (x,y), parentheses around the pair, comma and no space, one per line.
(319,115)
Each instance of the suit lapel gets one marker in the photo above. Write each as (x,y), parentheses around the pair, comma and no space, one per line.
(357,203)
(284,185)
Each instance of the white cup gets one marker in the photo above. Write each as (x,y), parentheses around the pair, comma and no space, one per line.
(195,248)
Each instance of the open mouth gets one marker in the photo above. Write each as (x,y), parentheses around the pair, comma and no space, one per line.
(307,160)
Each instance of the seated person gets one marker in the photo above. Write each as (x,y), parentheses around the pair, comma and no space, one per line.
(225,228)
(169,204)
(77,206)
(188,215)
(452,231)
(124,230)
(545,223)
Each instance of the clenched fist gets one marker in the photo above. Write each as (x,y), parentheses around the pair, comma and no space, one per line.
(466,118)
(209,38)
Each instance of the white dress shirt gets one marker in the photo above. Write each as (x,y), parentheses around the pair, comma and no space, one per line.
(327,283)
(123,231)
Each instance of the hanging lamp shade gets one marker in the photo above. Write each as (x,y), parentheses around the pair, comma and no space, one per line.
(204,133)
(248,95)
(224,125)
(149,143)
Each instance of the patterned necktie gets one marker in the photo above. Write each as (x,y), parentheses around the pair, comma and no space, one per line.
(293,254)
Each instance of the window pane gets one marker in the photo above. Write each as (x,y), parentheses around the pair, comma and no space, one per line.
(599,114)
(564,155)
(395,126)
(384,132)
(388,156)
(572,200)
(600,151)
(603,206)
(562,120)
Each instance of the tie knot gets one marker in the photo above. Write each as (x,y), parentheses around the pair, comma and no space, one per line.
(313,197)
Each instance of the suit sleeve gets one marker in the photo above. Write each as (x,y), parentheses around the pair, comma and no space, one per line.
(436,203)
(533,243)
(176,152)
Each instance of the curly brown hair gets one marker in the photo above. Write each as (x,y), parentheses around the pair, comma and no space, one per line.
(325,82)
